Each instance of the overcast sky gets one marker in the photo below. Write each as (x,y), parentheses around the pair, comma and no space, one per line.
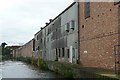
(21,19)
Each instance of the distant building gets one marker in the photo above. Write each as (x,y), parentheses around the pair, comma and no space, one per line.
(26,50)
(14,53)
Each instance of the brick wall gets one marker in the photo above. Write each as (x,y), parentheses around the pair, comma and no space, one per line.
(25,50)
(98,34)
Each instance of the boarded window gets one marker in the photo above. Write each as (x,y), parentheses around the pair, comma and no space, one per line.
(72,24)
(67,27)
(87,9)
(73,52)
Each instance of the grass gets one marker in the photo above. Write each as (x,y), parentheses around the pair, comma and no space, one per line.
(6,57)
(101,72)
(24,59)
(73,70)
(80,71)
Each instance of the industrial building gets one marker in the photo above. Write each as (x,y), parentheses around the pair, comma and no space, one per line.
(86,33)
(58,40)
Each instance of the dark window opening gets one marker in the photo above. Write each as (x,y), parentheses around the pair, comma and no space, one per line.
(68,54)
(56,55)
(33,44)
(63,52)
(37,37)
(38,47)
(59,52)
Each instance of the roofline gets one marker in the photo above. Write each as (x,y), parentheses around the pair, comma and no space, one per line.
(58,16)
(27,42)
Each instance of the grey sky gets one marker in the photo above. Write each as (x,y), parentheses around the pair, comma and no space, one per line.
(21,19)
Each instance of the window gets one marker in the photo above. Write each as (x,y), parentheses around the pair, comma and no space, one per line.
(68,54)
(56,52)
(59,52)
(56,55)
(72,24)
(73,52)
(87,8)
(67,27)
(38,47)
(33,44)
(63,52)
(37,37)
(41,40)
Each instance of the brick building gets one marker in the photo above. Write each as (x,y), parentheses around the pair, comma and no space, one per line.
(99,31)
(14,50)
(26,50)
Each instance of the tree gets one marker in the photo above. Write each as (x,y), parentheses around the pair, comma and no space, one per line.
(7,50)
(3,47)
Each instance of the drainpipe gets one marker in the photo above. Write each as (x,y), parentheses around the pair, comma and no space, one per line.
(78,34)
(115,58)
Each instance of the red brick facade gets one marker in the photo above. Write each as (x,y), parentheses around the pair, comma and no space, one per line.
(98,34)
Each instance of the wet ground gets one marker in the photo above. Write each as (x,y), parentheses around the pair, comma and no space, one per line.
(15,69)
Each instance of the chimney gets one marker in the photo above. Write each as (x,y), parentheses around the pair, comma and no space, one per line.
(41,28)
(50,20)
(46,23)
